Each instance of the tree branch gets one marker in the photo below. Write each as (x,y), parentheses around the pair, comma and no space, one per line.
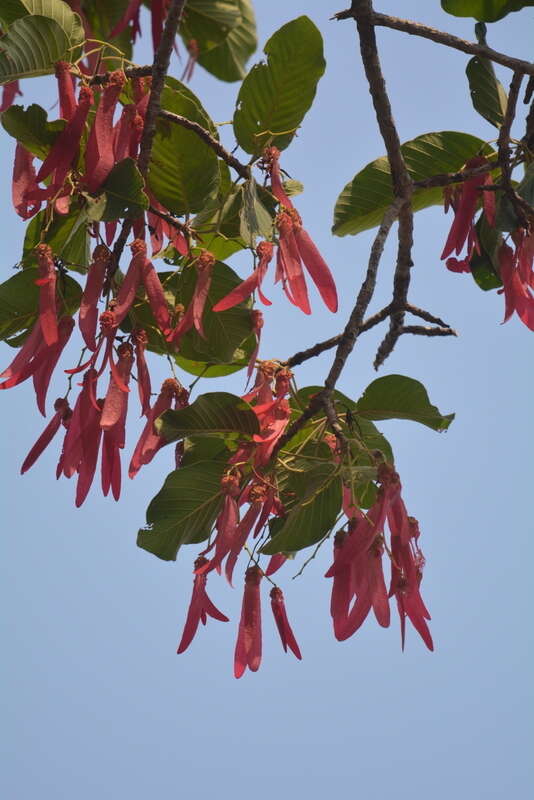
(159,70)
(447,39)
(423,330)
(521,208)
(210,140)
(181,226)
(362,12)
(348,338)
(328,344)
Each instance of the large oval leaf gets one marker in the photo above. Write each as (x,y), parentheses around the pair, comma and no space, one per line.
(184,510)
(31,47)
(484,10)
(314,516)
(212,414)
(363,202)
(399,397)
(226,331)
(183,170)
(227,61)
(124,193)
(57,10)
(275,96)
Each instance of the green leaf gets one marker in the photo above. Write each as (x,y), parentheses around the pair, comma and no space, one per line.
(506,217)
(212,414)
(67,236)
(183,170)
(56,10)
(228,344)
(184,510)
(31,128)
(31,47)
(485,266)
(226,331)
(124,192)
(357,428)
(399,397)
(292,187)
(203,448)
(255,219)
(227,60)
(487,93)
(19,300)
(102,16)
(275,96)
(314,516)
(363,202)
(484,10)
(209,22)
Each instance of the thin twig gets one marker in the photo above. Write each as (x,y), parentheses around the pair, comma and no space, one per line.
(423,330)
(181,226)
(447,39)
(210,140)
(426,315)
(328,344)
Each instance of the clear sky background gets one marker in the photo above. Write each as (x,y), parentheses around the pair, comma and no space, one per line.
(96,702)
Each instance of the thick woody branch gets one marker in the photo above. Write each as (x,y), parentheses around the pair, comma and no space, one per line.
(159,70)
(447,39)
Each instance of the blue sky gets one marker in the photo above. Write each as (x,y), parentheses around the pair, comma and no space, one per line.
(96,702)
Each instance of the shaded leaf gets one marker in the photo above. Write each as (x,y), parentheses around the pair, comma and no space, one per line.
(184,510)
(31,128)
(314,516)
(19,300)
(227,60)
(67,236)
(226,331)
(255,219)
(357,428)
(363,202)
(203,448)
(212,414)
(102,16)
(124,192)
(485,265)
(506,217)
(275,96)
(183,171)
(399,397)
